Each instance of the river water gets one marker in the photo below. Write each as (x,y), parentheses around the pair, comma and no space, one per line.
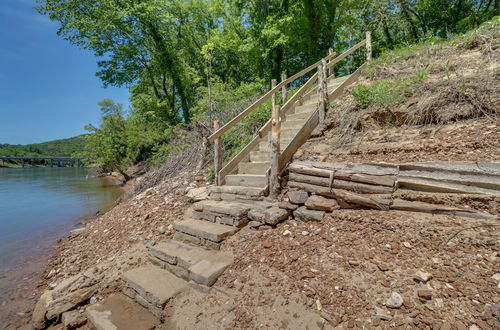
(37,207)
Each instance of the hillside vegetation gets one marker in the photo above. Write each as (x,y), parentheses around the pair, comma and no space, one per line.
(56,148)
(434,96)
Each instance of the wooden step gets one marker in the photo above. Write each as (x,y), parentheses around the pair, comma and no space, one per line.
(192,263)
(299,116)
(152,287)
(292,124)
(249,180)
(253,167)
(266,146)
(260,156)
(305,108)
(285,134)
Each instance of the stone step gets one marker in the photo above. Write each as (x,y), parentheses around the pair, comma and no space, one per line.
(237,192)
(118,312)
(260,156)
(253,167)
(152,287)
(249,180)
(235,209)
(192,263)
(203,230)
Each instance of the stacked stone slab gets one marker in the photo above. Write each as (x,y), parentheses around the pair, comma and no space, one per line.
(212,222)
(226,213)
(152,287)
(191,263)
(237,193)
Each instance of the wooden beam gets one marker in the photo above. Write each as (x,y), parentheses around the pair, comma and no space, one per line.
(322,92)
(217,154)
(368,46)
(331,72)
(346,53)
(275,148)
(284,94)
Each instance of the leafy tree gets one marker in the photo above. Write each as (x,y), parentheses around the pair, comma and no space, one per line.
(108,141)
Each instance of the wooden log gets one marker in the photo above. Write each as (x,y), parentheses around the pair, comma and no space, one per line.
(341,184)
(284,94)
(345,198)
(363,168)
(402,205)
(383,180)
(217,154)
(275,148)
(368,46)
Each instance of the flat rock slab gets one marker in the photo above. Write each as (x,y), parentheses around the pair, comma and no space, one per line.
(234,209)
(179,253)
(155,285)
(207,230)
(186,255)
(207,271)
(248,191)
(118,312)
(303,214)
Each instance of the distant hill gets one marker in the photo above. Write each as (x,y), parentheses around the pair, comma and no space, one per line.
(56,148)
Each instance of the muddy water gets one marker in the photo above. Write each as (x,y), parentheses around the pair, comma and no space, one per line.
(37,207)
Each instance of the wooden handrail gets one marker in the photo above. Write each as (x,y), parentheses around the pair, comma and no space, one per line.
(263,99)
(346,53)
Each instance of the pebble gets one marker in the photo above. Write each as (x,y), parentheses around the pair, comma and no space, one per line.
(93,300)
(395,301)
(305,233)
(318,305)
(425,294)
(287,233)
(422,276)
(353,262)
(407,245)
(382,314)
(161,230)
(383,267)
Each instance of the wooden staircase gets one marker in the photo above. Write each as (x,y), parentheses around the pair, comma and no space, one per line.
(253,173)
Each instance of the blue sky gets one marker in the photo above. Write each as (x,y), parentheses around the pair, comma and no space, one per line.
(48,87)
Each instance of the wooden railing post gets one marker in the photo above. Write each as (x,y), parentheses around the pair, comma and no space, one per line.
(275,147)
(217,154)
(322,92)
(368,46)
(284,94)
(331,72)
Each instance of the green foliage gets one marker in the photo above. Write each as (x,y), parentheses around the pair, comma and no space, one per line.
(56,148)
(388,92)
(192,61)
(108,141)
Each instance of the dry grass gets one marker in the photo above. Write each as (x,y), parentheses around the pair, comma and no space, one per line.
(462,82)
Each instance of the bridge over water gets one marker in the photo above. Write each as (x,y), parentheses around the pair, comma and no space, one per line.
(47,161)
